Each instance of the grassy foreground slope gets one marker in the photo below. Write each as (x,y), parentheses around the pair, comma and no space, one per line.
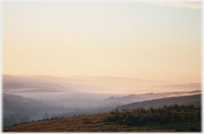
(166,119)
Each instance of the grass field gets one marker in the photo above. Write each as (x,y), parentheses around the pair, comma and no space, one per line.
(168,119)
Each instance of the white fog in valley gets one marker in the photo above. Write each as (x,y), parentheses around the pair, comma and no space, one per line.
(42,97)
(93,88)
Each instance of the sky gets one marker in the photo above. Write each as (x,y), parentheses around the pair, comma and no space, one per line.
(146,40)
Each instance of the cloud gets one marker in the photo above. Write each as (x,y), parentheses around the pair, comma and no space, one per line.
(133,20)
(195,5)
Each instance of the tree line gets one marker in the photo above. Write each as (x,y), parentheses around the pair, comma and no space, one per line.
(167,114)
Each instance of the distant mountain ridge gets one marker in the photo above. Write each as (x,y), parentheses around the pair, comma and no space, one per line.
(157,103)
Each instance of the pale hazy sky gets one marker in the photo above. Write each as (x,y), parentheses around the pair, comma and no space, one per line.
(146,40)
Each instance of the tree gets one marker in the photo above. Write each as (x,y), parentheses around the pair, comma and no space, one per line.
(46,116)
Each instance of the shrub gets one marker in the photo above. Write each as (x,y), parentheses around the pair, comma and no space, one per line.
(162,115)
(183,107)
(152,110)
(113,112)
(161,111)
(191,106)
(141,120)
(192,128)
(168,112)
(124,116)
(134,110)
(165,107)
(176,106)
(142,110)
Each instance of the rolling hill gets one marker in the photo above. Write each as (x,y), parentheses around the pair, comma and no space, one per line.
(167,119)
(150,96)
(156,103)
(174,118)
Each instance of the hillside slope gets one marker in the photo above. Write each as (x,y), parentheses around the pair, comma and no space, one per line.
(183,100)
(167,119)
(150,96)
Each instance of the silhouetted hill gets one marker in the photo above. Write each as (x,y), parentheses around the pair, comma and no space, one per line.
(183,100)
